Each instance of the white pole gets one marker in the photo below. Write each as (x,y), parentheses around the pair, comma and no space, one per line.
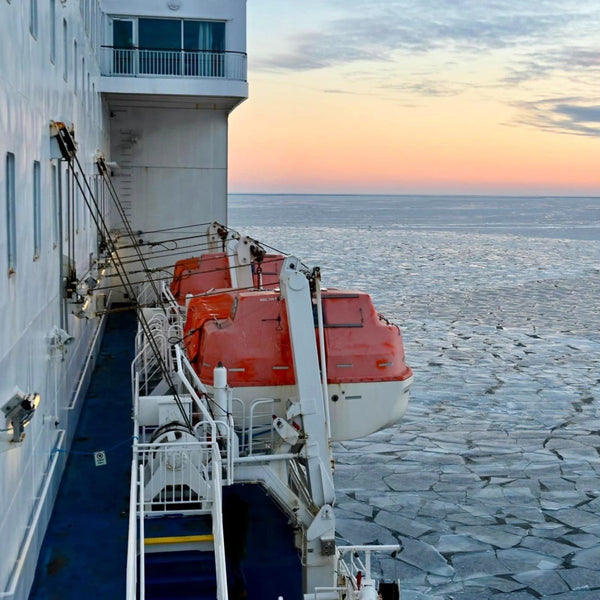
(319,300)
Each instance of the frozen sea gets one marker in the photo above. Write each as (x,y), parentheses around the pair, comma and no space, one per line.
(491,482)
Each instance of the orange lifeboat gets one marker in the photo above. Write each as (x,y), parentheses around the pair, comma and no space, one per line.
(199,274)
(211,271)
(247,331)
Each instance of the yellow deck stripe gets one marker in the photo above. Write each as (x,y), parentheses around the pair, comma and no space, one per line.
(178,539)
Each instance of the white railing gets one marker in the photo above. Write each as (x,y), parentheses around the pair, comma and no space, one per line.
(218,532)
(166,328)
(141,534)
(137,62)
(158,293)
(131,586)
(178,474)
(173,475)
(220,429)
(254,428)
(350,565)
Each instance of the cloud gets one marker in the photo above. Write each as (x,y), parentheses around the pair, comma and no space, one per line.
(378,31)
(436,89)
(569,115)
(570,60)
(410,50)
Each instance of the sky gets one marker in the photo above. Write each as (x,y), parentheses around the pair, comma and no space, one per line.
(420,96)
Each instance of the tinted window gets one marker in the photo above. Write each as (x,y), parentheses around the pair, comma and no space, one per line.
(159,34)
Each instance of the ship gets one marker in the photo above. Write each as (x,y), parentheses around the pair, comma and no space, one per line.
(171,388)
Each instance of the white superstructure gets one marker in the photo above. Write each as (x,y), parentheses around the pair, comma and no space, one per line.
(157,113)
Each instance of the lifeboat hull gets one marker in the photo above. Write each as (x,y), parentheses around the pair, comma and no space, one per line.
(355,409)
(248,332)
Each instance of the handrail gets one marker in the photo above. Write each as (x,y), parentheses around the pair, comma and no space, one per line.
(182,362)
(199,51)
(162,327)
(90,356)
(218,532)
(154,62)
(319,593)
(256,403)
(131,538)
(142,536)
(322,353)
(355,565)
(201,457)
(32,530)
(265,458)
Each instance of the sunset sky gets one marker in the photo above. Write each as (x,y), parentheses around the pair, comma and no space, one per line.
(420,96)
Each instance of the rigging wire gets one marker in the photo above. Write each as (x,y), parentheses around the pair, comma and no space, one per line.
(141,242)
(182,250)
(102,227)
(140,314)
(70,155)
(140,232)
(169,275)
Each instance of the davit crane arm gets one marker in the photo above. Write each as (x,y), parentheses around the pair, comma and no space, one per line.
(310,406)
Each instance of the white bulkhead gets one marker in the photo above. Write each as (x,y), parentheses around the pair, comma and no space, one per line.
(160,120)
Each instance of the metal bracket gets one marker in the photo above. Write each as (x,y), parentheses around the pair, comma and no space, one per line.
(19,411)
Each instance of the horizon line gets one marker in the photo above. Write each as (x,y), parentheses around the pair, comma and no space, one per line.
(421,195)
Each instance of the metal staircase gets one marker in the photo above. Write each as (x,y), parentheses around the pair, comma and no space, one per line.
(181,575)
(176,566)
(176,539)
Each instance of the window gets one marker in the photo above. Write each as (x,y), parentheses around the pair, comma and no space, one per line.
(37,211)
(160,45)
(204,42)
(11,219)
(68,213)
(33,17)
(94,108)
(170,46)
(55,206)
(203,36)
(94,16)
(75,65)
(159,34)
(123,46)
(65,51)
(53,30)
(83,90)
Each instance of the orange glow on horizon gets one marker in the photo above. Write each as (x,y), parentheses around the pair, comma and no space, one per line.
(318,142)
(291,136)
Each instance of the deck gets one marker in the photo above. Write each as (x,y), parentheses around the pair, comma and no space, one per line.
(84,553)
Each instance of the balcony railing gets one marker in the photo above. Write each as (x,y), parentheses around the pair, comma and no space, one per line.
(138,62)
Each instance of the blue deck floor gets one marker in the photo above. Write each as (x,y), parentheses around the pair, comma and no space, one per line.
(85,548)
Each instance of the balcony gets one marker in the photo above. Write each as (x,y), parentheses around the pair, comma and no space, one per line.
(174,72)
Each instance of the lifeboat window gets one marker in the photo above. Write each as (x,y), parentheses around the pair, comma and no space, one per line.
(342,310)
